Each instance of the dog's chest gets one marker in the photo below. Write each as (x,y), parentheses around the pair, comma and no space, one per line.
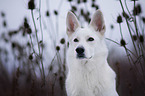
(88,83)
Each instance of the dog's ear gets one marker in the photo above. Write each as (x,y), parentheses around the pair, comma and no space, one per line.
(97,22)
(71,23)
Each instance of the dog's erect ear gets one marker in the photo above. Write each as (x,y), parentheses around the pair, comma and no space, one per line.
(97,22)
(71,23)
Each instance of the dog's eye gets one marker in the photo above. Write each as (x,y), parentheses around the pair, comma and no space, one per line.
(76,40)
(90,39)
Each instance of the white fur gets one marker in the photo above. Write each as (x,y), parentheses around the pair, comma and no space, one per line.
(91,76)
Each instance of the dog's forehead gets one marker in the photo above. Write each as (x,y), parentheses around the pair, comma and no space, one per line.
(83,32)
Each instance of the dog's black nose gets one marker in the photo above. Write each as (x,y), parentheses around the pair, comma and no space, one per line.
(80,50)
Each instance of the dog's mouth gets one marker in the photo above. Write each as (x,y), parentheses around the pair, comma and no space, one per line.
(82,56)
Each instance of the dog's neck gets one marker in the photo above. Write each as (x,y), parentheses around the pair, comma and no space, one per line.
(89,65)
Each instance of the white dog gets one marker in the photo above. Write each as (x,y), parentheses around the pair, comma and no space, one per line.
(88,71)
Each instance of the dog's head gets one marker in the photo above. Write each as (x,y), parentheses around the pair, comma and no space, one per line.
(85,43)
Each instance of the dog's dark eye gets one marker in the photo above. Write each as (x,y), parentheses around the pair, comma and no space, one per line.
(90,39)
(76,40)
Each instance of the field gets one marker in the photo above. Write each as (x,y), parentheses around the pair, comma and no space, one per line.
(33,56)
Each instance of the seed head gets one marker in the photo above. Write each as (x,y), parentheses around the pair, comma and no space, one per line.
(55,12)
(137,10)
(31,5)
(93,5)
(82,12)
(62,41)
(84,1)
(25,19)
(97,7)
(141,38)
(4,24)
(125,15)
(88,13)
(79,1)
(26,25)
(57,48)
(43,45)
(122,42)
(74,8)
(112,27)
(70,0)
(86,17)
(60,78)
(30,56)
(2,14)
(47,13)
(119,19)
(134,0)
(28,44)
(89,20)
(68,44)
(143,19)
(134,37)
(13,45)
(29,31)
(51,68)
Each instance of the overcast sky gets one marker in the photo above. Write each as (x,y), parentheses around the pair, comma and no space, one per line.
(16,10)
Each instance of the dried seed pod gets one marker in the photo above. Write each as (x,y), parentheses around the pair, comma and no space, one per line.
(31,5)
(119,19)
(57,48)
(122,42)
(62,41)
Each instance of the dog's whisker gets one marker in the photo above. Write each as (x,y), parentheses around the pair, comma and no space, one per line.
(89,57)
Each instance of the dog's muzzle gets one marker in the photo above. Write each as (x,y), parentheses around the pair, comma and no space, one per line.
(80,52)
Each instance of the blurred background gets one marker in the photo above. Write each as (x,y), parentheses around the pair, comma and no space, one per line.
(33,44)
